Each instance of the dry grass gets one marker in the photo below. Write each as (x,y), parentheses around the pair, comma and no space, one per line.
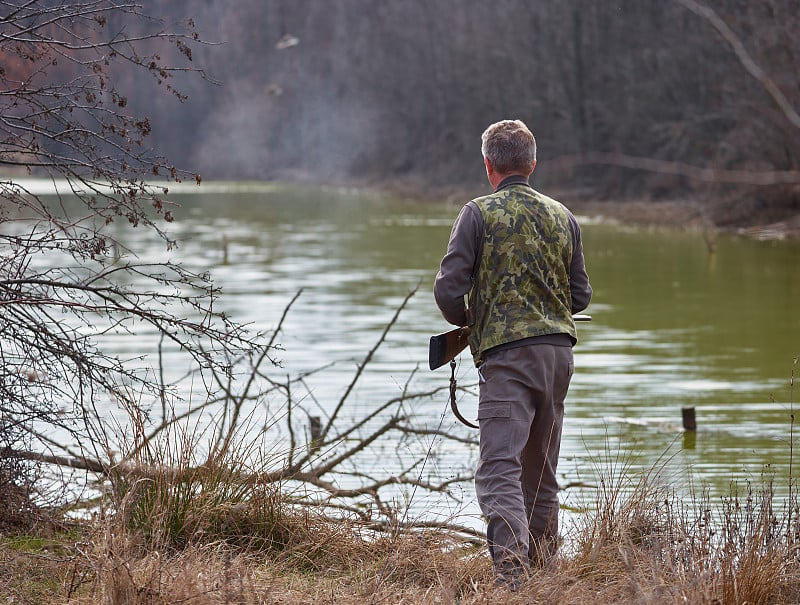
(207,538)
(645,545)
(330,562)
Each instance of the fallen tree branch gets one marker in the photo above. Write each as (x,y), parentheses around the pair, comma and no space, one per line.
(84,464)
(328,470)
(469,534)
(707,175)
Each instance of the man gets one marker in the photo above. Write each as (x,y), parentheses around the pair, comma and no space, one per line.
(518,257)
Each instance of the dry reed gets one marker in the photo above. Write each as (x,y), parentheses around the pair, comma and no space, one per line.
(207,538)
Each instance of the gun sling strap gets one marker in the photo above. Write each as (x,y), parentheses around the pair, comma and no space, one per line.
(453,388)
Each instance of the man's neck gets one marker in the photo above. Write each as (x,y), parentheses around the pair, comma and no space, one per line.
(510,179)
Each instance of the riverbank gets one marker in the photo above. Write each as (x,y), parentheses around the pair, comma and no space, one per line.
(637,544)
(683,214)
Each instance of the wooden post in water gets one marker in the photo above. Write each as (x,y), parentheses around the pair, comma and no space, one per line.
(689,422)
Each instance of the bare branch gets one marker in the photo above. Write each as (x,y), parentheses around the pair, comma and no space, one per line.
(63,116)
(363,364)
(747,61)
(708,175)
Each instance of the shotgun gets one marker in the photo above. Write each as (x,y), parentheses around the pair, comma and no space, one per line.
(446,346)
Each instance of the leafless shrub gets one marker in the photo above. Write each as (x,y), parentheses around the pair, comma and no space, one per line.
(63,118)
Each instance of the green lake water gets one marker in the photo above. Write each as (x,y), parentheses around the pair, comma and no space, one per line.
(673,326)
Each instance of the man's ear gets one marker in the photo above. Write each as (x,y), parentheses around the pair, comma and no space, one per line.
(532,168)
(489,167)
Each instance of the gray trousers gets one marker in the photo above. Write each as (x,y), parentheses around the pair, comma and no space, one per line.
(520,413)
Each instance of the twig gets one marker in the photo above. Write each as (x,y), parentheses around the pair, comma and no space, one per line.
(232,426)
(363,364)
(749,64)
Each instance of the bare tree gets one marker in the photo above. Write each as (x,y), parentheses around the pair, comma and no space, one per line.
(65,281)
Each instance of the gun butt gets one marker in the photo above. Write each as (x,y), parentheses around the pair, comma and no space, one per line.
(444,347)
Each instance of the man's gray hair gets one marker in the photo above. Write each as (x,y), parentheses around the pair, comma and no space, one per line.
(509,146)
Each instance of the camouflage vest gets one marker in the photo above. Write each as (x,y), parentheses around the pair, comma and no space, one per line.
(521,288)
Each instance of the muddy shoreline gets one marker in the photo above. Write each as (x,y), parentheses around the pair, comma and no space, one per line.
(672,214)
(684,216)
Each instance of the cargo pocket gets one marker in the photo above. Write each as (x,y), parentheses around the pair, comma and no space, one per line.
(494,419)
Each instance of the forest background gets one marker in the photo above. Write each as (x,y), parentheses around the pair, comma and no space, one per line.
(648,102)
(631,100)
